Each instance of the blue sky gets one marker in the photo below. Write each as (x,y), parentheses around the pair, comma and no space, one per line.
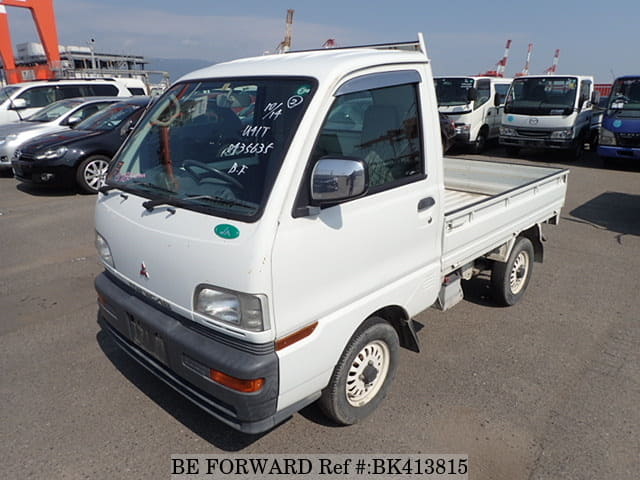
(463,37)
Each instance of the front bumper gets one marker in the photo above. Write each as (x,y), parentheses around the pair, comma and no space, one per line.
(619,152)
(181,352)
(530,142)
(32,171)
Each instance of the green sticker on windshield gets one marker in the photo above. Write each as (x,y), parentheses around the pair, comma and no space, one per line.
(303,90)
(227,231)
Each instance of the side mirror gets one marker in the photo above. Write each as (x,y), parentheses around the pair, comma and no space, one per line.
(595,97)
(73,121)
(18,104)
(334,180)
(497,101)
(472,94)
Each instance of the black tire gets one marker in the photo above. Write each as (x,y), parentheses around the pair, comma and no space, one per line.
(357,388)
(578,149)
(90,173)
(481,141)
(510,280)
(512,151)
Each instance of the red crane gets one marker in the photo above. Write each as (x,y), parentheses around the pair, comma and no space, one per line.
(45,19)
(525,70)
(501,65)
(554,66)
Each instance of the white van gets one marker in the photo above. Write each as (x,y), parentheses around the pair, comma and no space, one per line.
(552,112)
(20,100)
(474,105)
(272,225)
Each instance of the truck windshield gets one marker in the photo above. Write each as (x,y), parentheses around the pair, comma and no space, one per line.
(624,100)
(542,96)
(214,146)
(453,91)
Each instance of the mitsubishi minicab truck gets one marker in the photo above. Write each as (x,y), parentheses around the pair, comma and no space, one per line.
(474,105)
(620,131)
(551,112)
(272,226)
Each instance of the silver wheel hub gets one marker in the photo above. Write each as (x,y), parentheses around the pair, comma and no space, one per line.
(367,373)
(519,272)
(95,173)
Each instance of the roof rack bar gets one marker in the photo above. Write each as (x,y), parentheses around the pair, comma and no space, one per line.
(413,45)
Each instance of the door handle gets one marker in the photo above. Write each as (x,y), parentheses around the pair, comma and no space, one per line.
(426,203)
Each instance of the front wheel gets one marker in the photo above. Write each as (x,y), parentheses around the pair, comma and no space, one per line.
(481,142)
(363,375)
(91,173)
(510,280)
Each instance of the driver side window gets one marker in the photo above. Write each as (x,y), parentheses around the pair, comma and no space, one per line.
(380,126)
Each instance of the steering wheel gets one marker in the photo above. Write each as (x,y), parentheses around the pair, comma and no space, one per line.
(189,164)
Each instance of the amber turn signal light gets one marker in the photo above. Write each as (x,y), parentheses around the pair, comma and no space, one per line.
(244,386)
(296,336)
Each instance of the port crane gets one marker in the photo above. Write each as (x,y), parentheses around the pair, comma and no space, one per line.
(554,66)
(525,71)
(501,65)
(285,45)
(45,19)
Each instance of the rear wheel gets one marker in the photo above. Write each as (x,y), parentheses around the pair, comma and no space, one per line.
(510,280)
(91,173)
(364,373)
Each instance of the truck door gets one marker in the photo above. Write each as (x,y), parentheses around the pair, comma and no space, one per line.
(386,241)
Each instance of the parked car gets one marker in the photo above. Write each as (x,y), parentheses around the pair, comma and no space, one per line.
(22,100)
(447,132)
(58,116)
(80,156)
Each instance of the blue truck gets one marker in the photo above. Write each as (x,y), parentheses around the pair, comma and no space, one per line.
(620,131)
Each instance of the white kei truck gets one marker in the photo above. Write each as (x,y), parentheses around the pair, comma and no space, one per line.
(273,224)
(474,105)
(552,112)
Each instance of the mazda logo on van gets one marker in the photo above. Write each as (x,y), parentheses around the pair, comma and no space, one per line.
(533,121)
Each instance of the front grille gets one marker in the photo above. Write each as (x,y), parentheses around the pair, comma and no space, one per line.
(525,132)
(20,155)
(630,140)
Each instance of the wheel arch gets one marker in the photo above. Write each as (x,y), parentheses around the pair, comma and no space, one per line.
(535,235)
(399,319)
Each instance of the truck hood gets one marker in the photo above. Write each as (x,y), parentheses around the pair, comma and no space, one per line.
(165,255)
(541,122)
(455,109)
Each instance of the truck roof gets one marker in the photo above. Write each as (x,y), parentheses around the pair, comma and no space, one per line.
(321,64)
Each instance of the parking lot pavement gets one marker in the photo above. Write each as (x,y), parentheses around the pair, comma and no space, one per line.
(546,389)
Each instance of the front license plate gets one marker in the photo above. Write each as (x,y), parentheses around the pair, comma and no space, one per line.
(150,341)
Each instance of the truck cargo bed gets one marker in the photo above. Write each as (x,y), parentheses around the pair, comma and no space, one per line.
(488,203)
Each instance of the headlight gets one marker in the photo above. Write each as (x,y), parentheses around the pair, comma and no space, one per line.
(607,137)
(507,131)
(240,309)
(462,128)
(52,153)
(564,134)
(104,252)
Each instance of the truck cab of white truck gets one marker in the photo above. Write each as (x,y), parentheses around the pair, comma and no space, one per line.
(272,225)
(548,112)
(474,104)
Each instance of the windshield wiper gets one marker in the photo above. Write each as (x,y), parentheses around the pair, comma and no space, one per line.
(222,200)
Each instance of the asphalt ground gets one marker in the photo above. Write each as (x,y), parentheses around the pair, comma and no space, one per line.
(547,389)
